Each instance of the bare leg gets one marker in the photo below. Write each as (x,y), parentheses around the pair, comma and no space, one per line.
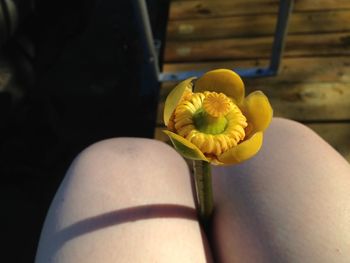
(124,200)
(291,203)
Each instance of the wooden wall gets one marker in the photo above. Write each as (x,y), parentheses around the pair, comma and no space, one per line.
(314,83)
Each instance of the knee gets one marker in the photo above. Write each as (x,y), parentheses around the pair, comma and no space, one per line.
(119,156)
(292,135)
(290,128)
(133,151)
(127,152)
(131,167)
(296,191)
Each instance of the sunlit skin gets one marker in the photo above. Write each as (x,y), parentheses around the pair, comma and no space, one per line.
(130,200)
(210,119)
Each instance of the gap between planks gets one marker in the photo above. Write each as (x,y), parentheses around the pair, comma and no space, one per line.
(332,44)
(259,25)
(306,89)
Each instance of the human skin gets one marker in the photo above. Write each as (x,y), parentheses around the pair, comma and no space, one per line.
(131,200)
(291,203)
(124,200)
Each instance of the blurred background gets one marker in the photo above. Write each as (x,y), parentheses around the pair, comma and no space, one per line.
(71,73)
(75,72)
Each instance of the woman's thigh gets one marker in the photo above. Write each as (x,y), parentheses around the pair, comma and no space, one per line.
(124,200)
(290,203)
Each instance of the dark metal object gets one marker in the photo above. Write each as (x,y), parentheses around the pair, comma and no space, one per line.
(147,37)
(285,9)
(243,72)
(148,42)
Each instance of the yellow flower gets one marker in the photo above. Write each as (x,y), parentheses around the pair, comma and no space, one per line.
(210,118)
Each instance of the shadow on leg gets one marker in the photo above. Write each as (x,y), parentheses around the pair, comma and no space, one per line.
(124,200)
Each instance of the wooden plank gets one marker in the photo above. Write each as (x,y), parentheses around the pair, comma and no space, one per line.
(182,51)
(317,69)
(258,47)
(260,25)
(336,134)
(317,101)
(308,101)
(176,67)
(209,9)
(306,88)
(193,9)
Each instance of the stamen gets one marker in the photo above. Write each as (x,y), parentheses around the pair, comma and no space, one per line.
(217,104)
(211,121)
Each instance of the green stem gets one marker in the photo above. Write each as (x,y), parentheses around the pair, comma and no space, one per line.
(203,183)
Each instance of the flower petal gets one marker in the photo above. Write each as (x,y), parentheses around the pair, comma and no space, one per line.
(185,148)
(243,151)
(258,111)
(174,97)
(221,80)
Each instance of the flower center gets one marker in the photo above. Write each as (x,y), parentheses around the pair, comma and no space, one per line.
(210,118)
(217,104)
(206,123)
(211,121)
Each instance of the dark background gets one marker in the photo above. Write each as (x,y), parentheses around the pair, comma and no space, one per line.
(78,75)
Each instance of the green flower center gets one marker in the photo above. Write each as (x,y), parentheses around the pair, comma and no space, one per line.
(206,123)
(211,121)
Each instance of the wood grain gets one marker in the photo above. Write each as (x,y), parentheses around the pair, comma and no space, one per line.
(301,69)
(306,89)
(318,101)
(313,85)
(259,25)
(193,9)
(333,44)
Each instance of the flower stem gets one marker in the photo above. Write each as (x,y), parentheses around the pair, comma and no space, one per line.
(203,183)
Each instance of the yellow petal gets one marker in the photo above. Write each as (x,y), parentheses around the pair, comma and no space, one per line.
(185,148)
(221,80)
(242,151)
(174,97)
(258,111)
